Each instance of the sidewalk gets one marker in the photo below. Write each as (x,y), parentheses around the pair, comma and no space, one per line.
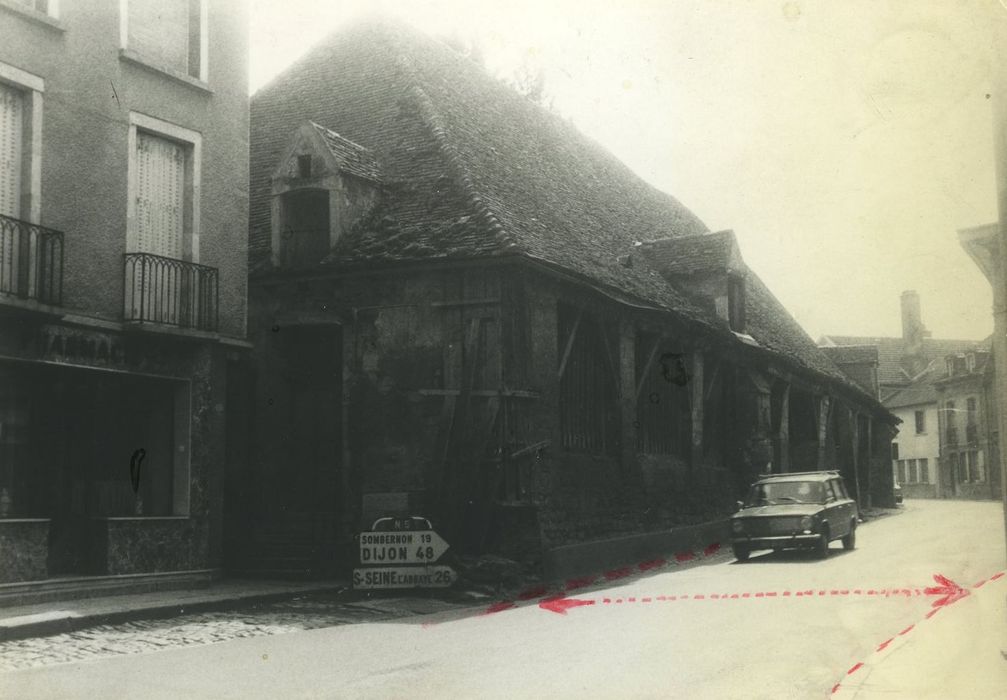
(69,615)
(958,652)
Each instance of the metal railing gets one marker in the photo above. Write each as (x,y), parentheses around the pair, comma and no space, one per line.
(174,292)
(31,261)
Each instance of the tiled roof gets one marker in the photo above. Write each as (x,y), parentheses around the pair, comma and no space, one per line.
(891,353)
(469,168)
(921,391)
(692,254)
(852,354)
(351,157)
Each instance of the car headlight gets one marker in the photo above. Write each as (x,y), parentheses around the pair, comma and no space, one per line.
(807,522)
(737,526)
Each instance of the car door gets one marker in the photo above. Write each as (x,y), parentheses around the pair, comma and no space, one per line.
(846,507)
(832,513)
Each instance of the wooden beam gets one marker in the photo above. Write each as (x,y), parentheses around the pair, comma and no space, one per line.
(783,434)
(854,419)
(696,453)
(569,344)
(823,428)
(647,366)
(712,381)
(528,449)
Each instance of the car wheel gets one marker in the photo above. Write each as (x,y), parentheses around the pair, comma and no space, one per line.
(740,552)
(850,541)
(822,546)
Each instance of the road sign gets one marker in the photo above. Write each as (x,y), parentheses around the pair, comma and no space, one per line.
(404,577)
(412,547)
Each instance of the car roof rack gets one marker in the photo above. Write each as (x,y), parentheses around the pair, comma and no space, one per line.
(819,471)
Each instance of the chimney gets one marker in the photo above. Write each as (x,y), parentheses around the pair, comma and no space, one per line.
(912,324)
(913,333)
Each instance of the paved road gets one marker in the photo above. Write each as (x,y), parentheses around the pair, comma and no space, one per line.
(673,645)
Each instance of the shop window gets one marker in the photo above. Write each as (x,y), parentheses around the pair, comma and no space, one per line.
(902,471)
(913,475)
(15,423)
(924,471)
(588,405)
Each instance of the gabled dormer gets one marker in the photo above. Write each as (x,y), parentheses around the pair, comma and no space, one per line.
(322,185)
(708,265)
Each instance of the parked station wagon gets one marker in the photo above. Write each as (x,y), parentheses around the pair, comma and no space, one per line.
(795,510)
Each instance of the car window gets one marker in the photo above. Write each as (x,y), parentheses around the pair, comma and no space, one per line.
(772,493)
(841,488)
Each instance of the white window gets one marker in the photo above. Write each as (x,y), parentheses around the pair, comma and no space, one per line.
(162,220)
(20,174)
(164,186)
(11,149)
(169,34)
(45,7)
(20,143)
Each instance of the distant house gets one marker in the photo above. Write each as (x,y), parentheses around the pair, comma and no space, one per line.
(929,383)
(464,309)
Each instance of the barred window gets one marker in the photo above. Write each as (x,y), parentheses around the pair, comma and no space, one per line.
(588,401)
(663,417)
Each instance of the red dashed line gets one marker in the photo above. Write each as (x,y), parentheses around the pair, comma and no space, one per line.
(652,564)
(536,592)
(955,593)
(500,607)
(616,574)
(684,556)
(712,549)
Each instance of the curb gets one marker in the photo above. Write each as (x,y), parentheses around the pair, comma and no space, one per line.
(61,622)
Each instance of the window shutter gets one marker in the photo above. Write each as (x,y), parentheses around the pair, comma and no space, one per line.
(159,30)
(11,147)
(160,196)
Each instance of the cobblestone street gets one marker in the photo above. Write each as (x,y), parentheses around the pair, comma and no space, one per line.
(141,636)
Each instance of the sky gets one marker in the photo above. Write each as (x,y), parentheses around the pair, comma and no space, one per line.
(845,143)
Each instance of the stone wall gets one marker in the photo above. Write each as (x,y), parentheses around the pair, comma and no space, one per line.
(23,549)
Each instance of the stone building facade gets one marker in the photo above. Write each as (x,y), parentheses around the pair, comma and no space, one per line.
(910,371)
(123,277)
(465,310)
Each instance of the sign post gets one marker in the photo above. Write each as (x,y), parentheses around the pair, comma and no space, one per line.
(394,555)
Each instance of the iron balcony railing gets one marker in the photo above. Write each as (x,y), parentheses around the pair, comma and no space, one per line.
(169,291)
(31,261)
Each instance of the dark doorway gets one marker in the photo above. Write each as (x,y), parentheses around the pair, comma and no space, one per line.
(297,532)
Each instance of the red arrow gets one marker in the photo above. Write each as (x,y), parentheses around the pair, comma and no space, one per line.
(560,605)
(947,588)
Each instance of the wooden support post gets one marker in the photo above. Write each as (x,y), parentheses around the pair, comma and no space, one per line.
(855,437)
(783,434)
(823,429)
(696,395)
(626,367)
(870,457)
(647,366)
(569,344)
